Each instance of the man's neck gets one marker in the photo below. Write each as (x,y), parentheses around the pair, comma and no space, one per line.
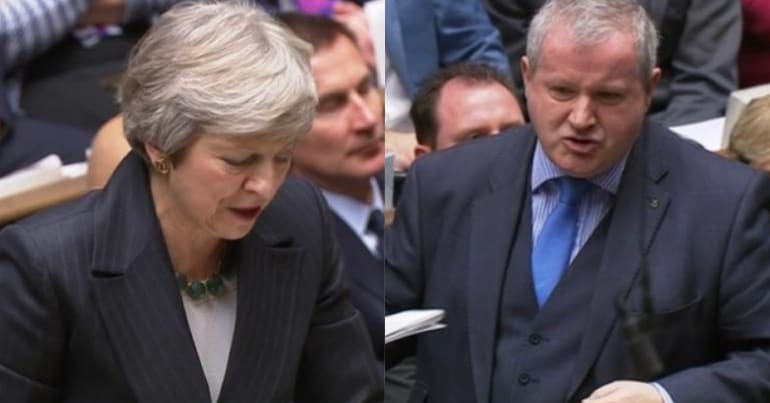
(358,189)
(362,193)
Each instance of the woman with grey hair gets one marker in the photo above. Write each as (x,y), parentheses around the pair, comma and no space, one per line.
(200,273)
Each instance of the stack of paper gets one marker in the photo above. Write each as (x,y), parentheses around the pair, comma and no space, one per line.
(42,173)
(408,323)
(708,133)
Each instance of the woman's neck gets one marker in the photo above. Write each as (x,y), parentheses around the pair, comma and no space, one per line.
(194,253)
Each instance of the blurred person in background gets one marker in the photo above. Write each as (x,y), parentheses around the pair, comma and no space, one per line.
(343,153)
(64,57)
(420,38)
(750,137)
(460,103)
(25,141)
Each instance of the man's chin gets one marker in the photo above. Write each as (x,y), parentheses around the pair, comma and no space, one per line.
(369,168)
(579,169)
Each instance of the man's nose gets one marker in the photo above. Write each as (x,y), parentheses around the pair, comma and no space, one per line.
(582,117)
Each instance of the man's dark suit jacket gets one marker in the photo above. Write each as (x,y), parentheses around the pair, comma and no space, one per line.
(90,309)
(365,276)
(707,231)
(697,53)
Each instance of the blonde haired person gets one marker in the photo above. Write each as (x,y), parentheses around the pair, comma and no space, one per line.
(750,137)
(200,273)
(108,148)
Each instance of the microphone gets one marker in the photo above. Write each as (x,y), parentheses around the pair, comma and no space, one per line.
(637,328)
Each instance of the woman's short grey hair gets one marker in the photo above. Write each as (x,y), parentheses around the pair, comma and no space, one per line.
(750,137)
(591,22)
(221,68)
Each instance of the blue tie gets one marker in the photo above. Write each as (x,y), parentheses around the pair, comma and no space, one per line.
(554,245)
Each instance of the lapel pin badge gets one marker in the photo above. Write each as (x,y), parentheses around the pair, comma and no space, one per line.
(653,202)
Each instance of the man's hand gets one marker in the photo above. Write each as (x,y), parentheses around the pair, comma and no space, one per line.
(104,12)
(402,144)
(625,392)
(353,17)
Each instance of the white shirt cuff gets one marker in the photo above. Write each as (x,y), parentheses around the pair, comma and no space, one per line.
(666,397)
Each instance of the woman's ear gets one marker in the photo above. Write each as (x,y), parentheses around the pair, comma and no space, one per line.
(153,152)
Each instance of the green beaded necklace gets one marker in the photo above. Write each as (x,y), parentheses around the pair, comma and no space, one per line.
(214,286)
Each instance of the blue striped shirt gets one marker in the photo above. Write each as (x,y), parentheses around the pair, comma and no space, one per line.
(593,207)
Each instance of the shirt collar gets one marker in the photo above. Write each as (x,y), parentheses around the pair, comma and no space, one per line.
(543,170)
(353,212)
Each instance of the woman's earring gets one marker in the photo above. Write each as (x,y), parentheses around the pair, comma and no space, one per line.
(162,165)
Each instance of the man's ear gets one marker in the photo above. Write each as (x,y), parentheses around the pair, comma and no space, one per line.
(650,85)
(421,149)
(525,73)
(524,64)
(654,79)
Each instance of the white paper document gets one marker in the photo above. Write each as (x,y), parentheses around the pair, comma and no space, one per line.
(408,323)
(709,133)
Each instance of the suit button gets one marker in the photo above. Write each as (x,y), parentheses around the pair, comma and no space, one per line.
(535,339)
(524,378)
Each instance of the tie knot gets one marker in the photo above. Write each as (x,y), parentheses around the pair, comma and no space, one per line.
(571,190)
(376,222)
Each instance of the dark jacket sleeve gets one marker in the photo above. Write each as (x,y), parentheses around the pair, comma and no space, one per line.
(743,311)
(338,363)
(32,335)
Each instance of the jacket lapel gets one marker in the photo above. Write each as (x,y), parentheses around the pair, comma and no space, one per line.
(268,275)
(494,216)
(137,296)
(640,202)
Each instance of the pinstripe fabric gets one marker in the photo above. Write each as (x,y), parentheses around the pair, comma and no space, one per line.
(593,206)
(87,291)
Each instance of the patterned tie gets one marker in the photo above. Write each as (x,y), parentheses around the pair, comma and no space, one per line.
(376,225)
(554,246)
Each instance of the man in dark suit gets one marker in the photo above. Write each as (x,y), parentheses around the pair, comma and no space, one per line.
(697,54)
(343,154)
(592,255)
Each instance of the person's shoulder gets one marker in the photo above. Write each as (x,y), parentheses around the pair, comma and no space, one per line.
(53,234)
(696,166)
(71,216)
